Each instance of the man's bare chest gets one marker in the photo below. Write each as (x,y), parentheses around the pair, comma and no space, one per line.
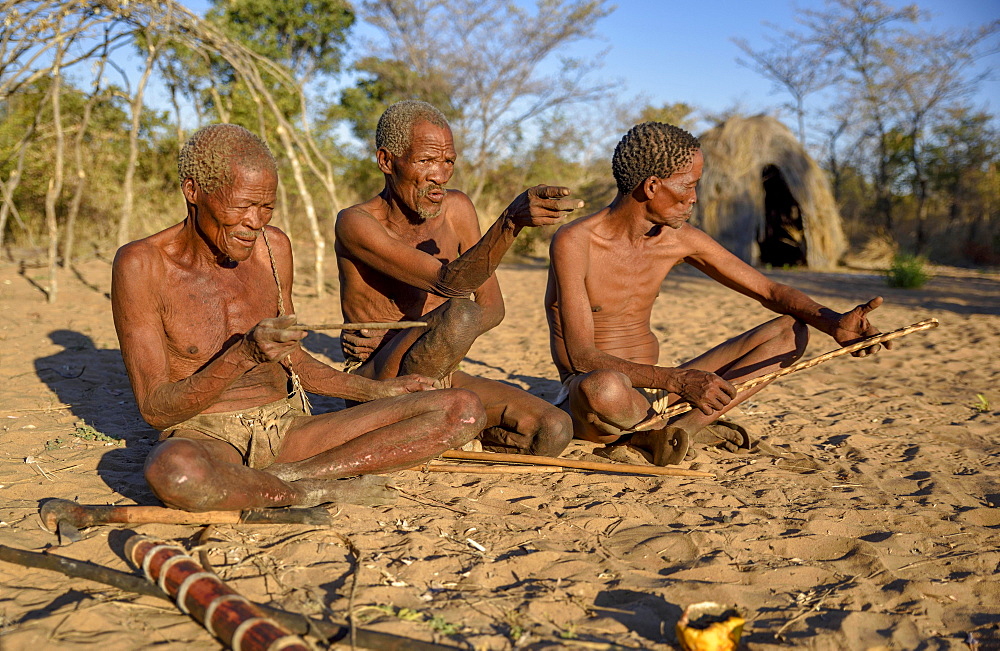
(202,314)
(621,282)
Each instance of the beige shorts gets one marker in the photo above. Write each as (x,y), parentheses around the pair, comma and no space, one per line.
(256,433)
(658,399)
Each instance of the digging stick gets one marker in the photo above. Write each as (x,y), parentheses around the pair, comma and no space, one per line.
(326,631)
(389,325)
(596,466)
(656,421)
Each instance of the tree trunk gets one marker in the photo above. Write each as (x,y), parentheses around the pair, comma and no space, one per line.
(81,171)
(56,180)
(128,192)
(310,209)
(921,236)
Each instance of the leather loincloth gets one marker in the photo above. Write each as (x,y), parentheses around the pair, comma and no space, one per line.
(256,433)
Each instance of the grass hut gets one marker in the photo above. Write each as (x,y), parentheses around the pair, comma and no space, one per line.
(765,199)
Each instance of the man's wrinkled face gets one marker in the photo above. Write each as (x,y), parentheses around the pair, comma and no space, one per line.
(232,218)
(419,175)
(676,195)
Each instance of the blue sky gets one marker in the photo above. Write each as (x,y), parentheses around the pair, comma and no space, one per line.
(681,51)
(666,51)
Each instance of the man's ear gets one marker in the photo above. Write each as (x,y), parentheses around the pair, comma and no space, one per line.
(384,159)
(648,188)
(190,190)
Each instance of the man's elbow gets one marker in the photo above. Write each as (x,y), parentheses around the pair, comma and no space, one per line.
(581,361)
(446,290)
(156,419)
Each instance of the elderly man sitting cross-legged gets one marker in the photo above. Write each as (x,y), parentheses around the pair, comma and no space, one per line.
(414,251)
(203,310)
(606,271)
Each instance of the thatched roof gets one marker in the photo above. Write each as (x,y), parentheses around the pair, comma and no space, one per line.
(731,193)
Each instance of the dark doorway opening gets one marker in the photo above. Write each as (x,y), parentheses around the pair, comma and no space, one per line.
(782,241)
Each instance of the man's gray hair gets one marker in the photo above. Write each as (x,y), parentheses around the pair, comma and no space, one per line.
(651,149)
(211,152)
(395,127)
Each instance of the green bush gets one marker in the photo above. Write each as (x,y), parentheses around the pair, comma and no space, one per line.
(907,271)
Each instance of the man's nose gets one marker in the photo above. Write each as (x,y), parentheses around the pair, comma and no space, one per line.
(256,218)
(440,173)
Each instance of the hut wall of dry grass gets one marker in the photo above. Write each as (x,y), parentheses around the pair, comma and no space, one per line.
(731,195)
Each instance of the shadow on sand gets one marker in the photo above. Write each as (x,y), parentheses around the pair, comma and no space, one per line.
(93,382)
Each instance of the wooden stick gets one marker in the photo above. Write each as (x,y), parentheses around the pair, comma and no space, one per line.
(485,469)
(595,466)
(389,325)
(656,421)
(54,511)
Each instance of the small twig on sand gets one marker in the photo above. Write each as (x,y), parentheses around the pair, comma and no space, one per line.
(434,502)
(36,409)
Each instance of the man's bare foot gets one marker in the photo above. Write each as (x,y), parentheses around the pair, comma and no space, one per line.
(726,435)
(668,445)
(366,490)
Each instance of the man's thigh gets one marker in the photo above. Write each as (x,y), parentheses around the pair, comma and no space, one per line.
(721,357)
(311,435)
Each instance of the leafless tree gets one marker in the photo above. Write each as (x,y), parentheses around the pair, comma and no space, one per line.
(798,68)
(491,52)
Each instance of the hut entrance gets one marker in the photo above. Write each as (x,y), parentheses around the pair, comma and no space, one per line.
(782,241)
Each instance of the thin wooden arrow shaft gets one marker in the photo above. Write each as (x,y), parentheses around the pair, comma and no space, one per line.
(498,457)
(656,421)
(375,325)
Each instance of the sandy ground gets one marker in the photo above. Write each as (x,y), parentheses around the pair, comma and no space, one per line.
(891,544)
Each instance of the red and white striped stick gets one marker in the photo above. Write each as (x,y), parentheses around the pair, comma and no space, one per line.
(224,613)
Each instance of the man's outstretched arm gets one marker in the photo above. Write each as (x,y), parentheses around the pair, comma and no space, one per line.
(363,237)
(714,260)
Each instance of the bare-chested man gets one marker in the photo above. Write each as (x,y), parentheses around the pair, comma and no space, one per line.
(213,364)
(415,251)
(605,273)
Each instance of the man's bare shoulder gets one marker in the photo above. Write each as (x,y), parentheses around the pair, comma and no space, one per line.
(278,240)
(374,208)
(142,259)
(693,239)
(579,231)
(356,223)
(458,200)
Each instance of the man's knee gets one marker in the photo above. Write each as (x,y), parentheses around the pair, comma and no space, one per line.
(178,473)
(605,390)
(462,320)
(793,332)
(464,413)
(551,431)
